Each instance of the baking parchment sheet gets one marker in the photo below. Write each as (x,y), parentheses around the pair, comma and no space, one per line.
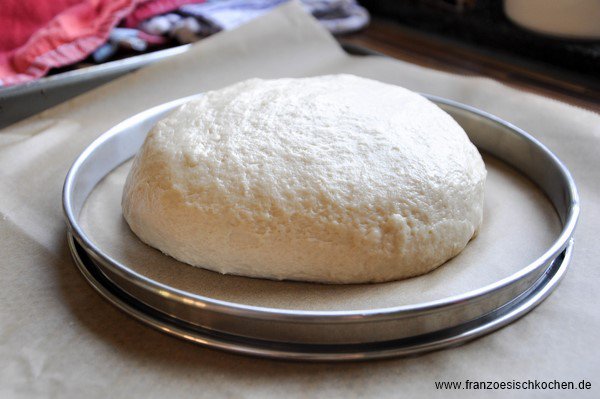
(519,226)
(59,338)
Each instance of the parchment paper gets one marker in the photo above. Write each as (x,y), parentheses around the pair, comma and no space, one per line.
(520,225)
(59,338)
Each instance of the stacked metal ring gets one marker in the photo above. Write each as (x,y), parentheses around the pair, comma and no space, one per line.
(327,335)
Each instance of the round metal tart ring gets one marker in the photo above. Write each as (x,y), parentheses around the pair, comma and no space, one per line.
(369,329)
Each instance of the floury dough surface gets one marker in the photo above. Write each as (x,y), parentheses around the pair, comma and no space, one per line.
(334,179)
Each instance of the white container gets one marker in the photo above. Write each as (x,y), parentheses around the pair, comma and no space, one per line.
(577,19)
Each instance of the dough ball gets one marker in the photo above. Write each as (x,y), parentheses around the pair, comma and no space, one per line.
(333,179)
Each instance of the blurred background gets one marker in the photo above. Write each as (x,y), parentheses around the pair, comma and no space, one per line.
(51,51)
(548,46)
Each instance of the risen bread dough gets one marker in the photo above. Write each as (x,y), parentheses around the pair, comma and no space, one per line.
(334,179)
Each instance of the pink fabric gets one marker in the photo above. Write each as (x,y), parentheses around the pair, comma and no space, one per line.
(39,34)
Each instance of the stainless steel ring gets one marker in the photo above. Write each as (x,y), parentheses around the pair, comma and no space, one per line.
(290,351)
(336,329)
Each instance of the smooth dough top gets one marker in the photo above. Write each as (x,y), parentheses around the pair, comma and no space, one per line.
(334,179)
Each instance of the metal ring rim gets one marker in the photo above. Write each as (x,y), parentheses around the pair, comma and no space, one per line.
(347,316)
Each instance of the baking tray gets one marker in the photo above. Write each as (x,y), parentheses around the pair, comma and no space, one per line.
(327,335)
(23,100)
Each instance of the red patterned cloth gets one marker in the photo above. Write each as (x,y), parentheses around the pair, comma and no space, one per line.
(40,34)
